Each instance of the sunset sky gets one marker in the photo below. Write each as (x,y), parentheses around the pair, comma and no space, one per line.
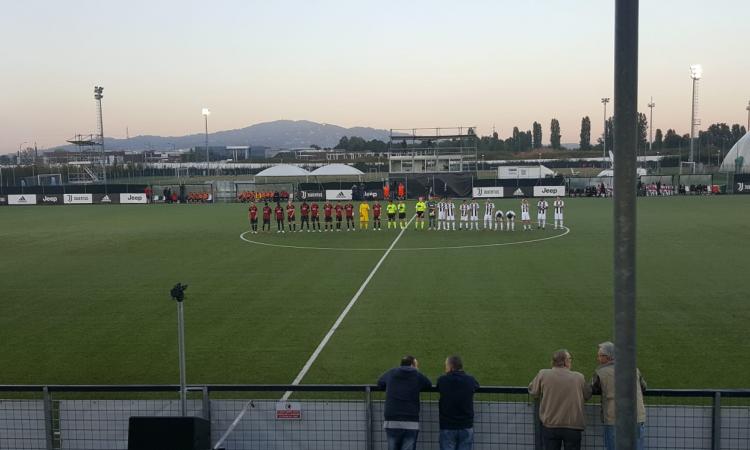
(385,64)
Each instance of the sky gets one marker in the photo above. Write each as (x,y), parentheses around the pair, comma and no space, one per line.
(385,64)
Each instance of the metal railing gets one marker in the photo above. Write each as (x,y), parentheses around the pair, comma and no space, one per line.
(340,417)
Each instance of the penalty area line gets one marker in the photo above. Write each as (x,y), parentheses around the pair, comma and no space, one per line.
(343,314)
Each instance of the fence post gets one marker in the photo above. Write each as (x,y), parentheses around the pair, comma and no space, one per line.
(716,422)
(206,404)
(538,443)
(48,418)
(368,418)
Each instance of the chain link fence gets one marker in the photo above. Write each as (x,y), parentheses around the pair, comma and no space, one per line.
(336,417)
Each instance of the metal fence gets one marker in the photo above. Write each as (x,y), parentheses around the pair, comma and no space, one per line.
(348,417)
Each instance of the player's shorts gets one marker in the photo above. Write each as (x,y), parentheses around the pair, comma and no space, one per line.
(329,219)
(266,220)
(525,216)
(305,218)
(254,220)
(464,218)
(348,218)
(291,219)
(441,216)
(315,219)
(375,217)
(450,218)
(510,215)
(420,214)
(364,218)
(391,216)
(402,215)
(339,218)
(487,217)
(474,218)
(558,216)
(541,216)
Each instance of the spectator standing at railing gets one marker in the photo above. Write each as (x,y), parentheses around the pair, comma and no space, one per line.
(456,406)
(402,387)
(603,383)
(563,393)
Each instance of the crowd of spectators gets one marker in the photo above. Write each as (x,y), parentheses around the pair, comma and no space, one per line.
(562,395)
(266,196)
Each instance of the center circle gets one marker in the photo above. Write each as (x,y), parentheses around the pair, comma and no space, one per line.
(446,247)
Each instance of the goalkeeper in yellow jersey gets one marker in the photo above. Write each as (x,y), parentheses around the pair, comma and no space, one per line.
(364,215)
(421,208)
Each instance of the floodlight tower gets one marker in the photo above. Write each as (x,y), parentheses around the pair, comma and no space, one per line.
(747,130)
(206,113)
(696,72)
(650,126)
(605,100)
(98,96)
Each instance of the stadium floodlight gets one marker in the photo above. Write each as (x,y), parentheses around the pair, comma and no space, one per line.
(178,294)
(206,113)
(605,100)
(696,71)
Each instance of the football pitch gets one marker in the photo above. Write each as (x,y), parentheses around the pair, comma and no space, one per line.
(85,295)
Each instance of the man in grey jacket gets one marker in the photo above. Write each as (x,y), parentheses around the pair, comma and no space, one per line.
(603,383)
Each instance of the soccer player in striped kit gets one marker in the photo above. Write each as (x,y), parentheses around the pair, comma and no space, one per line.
(489,214)
(442,208)
(559,206)
(541,213)
(464,219)
(474,208)
(450,215)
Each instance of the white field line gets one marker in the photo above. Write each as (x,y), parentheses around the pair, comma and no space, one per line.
(453,247)
(343,314)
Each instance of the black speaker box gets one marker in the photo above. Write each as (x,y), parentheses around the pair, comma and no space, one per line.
(169,433)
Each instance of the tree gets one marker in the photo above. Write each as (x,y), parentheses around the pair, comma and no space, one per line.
(585,142)
(672,139)
(537,127)
(658,139)
(516,142)
(642,131)
(554,136)
(343,143)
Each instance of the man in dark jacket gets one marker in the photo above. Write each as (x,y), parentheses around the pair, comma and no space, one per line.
(456,406)
(402,387)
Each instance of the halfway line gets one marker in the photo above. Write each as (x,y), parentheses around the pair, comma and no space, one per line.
(343,314)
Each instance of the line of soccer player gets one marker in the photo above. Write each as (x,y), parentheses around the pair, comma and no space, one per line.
(435,215)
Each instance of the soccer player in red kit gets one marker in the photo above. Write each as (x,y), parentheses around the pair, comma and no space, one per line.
(291,220)
(376,216)
(304,212)
(328,211)
(279,218)
(314,216)
(349,208)
(253,215)
(266,217)
(339,215)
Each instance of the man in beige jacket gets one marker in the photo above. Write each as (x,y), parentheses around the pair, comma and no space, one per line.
(603,383)
(563,393)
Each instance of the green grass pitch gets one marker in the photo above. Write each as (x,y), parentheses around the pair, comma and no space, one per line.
(85,296)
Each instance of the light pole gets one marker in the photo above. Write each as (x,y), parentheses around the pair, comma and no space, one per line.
(206,113)
(605,100)
(18,158)
(178,295)
(696,71)
(747,130)
(650,128)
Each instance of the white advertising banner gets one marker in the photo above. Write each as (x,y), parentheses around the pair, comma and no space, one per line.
(133,198)
(23,199)
(78,199)
(487,192)
(549,191)
(338,194)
